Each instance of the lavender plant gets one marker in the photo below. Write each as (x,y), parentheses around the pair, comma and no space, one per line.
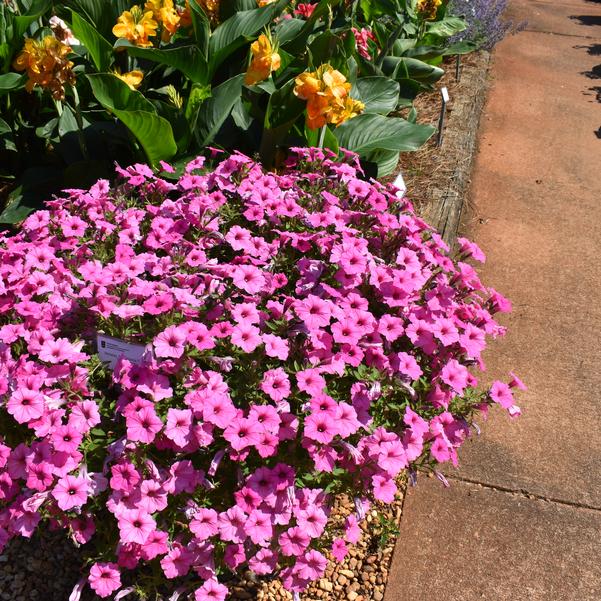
(486,22)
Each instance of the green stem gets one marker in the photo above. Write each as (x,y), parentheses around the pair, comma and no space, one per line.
(79,119)
(322,136)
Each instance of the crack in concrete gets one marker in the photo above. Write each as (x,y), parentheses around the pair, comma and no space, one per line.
(524,493)
(566,35)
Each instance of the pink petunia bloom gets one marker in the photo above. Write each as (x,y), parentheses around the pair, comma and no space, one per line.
(392,457)
(242,433)
(246,336)
(178,427)
(170,342)
(294,541)
(384,488)
(158,303)
(264,562)
(339,549)
(70,492)
(276,384)
(407,365)
(314,311)
(198,335)
(440,450)
(259,527)
(346,331)
(124,477)
(155,545)
(135,526)
(143,425)
(66,438)
(321,427)
(219,410)
(25,405)
(248,278)
(231,525)
(177,562)
(61,349)
(204,524)
(211,590)
(275,346)
(312,520)
(310,381)
(84,415)
(312,565)
(515,382)
(104,578)
(455,375)
(501,393)
(352,530)
(153,497)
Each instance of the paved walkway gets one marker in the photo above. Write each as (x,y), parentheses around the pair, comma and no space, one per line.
(522,519)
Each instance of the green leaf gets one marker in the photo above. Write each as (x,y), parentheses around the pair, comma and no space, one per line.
(378,94)
(404,67)
(187,59)
(369,132)
(36,9)
(233,34)
(284,107)
(214,111)
(7,141)
(201,26)
(447,27)
(9,82)
(329,141)
(385,161)
(100,49)
(138,114)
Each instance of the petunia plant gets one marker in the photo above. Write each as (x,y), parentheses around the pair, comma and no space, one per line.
(192,369)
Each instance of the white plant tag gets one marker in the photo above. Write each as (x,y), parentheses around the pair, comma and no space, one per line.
(399,182)
(111,349)
(445,95)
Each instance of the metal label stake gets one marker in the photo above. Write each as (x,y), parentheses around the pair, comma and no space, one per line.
(444,94)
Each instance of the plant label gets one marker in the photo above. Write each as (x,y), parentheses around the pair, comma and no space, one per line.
(111,349)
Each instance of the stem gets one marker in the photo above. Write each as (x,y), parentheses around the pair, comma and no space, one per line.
(322,136)
(79,119)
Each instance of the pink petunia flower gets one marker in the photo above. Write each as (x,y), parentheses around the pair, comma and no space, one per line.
(211,590)
(70,492)
(104,578)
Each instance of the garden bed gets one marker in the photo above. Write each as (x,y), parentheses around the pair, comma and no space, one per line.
(437,180)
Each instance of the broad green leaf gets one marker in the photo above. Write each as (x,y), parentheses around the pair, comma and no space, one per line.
(368,132)
(187,59)
(36,9)
(214,111)
(406,67)
(447,27)
(378,94)
(201,26)
(10,82)
(284,108)
(138,114)
(100,49)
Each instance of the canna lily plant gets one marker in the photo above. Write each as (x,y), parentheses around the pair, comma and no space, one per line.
(165,79)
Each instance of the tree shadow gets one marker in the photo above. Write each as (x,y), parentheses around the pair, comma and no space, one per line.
(588,20)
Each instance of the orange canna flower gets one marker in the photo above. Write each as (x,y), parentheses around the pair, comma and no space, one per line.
(132,78)
(263,3)
(327,94)
(163,11)
(136,26)
(211,8)
(46,65)
(265,59)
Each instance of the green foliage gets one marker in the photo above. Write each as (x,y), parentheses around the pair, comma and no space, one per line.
(193,92)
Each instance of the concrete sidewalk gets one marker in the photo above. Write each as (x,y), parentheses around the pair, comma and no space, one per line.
(522,519)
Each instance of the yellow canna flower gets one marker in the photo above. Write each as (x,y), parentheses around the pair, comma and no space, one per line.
(263,3)
(265,59)
(163,11)
(136,26)
(428,9)
(344,110)
(46,65)
(132,78)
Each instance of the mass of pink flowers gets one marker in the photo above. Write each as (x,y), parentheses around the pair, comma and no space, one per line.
(302,334)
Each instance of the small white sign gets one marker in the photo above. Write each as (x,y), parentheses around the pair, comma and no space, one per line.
(399,182)
(445,95)
(110,350)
